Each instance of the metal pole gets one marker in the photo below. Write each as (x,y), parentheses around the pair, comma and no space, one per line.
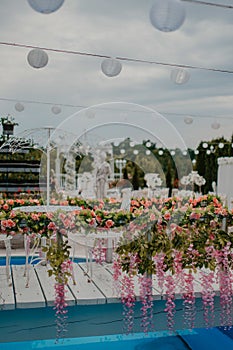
(48,167)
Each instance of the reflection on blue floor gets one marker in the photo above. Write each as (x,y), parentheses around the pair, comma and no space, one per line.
(198,339)
(137,341)
(227,330)
(205,339)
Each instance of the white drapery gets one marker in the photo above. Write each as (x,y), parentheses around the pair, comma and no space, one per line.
(225,179)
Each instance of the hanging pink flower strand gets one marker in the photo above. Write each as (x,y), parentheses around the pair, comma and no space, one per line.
(170,303)
(146,298)
(208,294)
(60,304)
(61,311)
(225,282)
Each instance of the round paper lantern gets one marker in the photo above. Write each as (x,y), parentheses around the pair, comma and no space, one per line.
(37,58)
(45,6)
(180,76)
(111,67)
(90,114)
(215,125)
(167,15)
(188,120)
(56,109)
(19,107)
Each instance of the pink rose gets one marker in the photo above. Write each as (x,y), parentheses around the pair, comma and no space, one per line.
(167,215)
(109,223)
(152,217)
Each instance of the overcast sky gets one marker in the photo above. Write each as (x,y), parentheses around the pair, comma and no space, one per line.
(119,28)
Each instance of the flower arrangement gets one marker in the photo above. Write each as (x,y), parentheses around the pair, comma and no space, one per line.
(171,239)
(184,239)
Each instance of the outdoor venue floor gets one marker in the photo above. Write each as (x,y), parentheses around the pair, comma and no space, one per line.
(40,293)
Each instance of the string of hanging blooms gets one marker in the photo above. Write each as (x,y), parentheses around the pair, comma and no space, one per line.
(60,265)
(146,299)
(181,242)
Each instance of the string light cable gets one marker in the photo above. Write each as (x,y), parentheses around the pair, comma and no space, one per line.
(121,58)
(67,105)
(209,4)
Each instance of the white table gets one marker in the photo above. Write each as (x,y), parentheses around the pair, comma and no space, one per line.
(88,240)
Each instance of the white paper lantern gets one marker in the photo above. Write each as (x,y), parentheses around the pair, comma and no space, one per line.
(37,58)
(45,6)
(56,109)
(19,107)
(111,67)
(90,114)
(215,125)
(167,15)
(188,120)
(180,76)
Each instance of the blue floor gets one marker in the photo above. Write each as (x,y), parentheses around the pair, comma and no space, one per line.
(208,339)
(198,339)
(157,341)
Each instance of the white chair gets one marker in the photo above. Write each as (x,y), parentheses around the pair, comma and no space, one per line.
(88,242)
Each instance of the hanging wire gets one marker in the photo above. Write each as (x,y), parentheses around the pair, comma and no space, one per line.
(209,4)
(121,58)
(86,107)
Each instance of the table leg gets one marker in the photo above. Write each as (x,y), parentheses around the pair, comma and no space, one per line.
(7,242)
(109,250)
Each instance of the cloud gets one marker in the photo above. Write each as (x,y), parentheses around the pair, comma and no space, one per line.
(117,28)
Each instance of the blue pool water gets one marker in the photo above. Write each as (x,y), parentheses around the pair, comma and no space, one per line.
(20,260)
(98,327)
